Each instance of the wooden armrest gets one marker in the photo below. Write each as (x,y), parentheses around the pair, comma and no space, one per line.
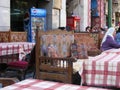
(8,81)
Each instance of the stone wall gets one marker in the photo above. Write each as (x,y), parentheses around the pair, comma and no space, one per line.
(4,15)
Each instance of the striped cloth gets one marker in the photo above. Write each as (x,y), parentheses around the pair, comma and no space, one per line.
(103,70)
(34,84)
(14,50)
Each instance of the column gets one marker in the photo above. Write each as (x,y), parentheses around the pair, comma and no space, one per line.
(4,15)
(109,13)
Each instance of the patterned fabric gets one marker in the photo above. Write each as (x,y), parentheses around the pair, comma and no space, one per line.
(34,84)
(60,42)
(14,50)
(10,48)
(74,52)
(87,39)
(18,64)
(52,52)
(82,51)
(15,47)
(79,51)
(103,70)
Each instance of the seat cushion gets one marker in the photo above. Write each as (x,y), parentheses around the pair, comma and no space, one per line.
(82,51)
(18,64)
(74,52)
(79,51)
(52,51)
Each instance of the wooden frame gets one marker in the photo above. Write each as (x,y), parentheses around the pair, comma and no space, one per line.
(55,69)
(50,68)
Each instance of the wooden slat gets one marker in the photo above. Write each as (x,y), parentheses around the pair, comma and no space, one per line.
(53,68)
(54,76)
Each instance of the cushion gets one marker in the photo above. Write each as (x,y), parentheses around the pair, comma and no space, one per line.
(18,64)
(90,40)
(74,52)
(52,52)
(61,43)
(82,51)
(79,51)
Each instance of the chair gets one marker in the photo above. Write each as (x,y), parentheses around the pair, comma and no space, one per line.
(23,67)
(8,81)
(55,69)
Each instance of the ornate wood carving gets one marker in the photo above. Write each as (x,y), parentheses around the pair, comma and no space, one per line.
(10,36)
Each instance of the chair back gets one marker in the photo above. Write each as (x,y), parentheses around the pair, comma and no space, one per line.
(54,68)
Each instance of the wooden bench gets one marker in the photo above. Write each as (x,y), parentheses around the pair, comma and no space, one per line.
(90,40)
(10,36)
(53,68)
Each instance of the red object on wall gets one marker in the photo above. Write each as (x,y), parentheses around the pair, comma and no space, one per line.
(74,23)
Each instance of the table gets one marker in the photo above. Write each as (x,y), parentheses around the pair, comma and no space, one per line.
(78,66)
(12,51)
(35,84)
(103,70)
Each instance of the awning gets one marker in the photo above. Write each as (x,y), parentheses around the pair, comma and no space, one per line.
(94,10)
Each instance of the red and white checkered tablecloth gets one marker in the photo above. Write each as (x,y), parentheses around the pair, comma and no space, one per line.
(9,51)
(27,46)
(103,70)
(15,47)
(34,84)
(10,48)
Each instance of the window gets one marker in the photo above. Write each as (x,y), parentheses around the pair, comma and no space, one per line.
(17,11)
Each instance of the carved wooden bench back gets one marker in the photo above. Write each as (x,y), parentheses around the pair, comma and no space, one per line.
(91,40)
(50,68)
(4,36)
(18,37)
(55,37)
(10,36)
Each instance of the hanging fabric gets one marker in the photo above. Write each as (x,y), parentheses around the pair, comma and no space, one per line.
(94,8)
